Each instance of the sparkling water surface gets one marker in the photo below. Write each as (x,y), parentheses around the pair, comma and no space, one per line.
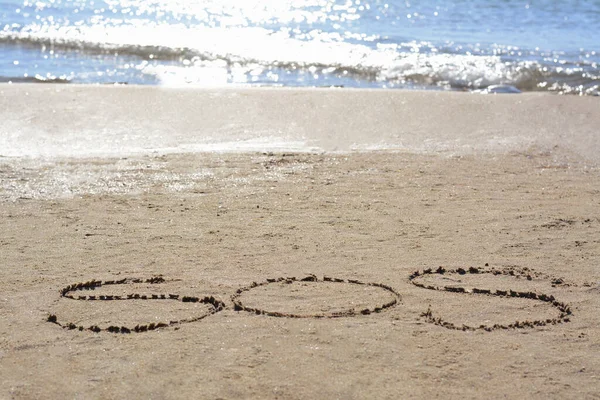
(462,45)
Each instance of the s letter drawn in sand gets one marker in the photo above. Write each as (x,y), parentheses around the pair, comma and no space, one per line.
(419,279)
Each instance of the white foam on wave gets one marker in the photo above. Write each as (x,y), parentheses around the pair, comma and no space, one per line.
(244,44)
(457,70)
(214,56)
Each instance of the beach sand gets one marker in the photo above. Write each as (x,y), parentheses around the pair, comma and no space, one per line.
(352,184)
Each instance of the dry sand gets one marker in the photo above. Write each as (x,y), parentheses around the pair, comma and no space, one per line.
(211,223)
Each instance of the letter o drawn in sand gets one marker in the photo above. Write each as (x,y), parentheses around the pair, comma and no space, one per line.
(95,291)
(311,297)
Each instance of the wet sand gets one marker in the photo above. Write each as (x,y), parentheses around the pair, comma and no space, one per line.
(82,121)
(212,223)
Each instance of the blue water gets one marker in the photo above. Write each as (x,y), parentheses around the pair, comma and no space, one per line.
(537,45)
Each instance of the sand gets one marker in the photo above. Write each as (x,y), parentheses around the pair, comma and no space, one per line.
(504,183)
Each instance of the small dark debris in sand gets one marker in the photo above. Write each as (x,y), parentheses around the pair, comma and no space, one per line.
(559,223)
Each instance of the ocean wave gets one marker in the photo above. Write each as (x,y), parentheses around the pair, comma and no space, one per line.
(32,79)
(196,53)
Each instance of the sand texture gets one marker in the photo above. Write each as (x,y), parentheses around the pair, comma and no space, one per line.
(244,229)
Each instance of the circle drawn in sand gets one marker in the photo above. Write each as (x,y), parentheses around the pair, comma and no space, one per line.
(311,297)
(564,309)
(87,292)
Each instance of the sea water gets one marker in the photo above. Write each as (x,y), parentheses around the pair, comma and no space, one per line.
(533,45)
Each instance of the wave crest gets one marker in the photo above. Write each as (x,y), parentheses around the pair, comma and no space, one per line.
(192,49)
